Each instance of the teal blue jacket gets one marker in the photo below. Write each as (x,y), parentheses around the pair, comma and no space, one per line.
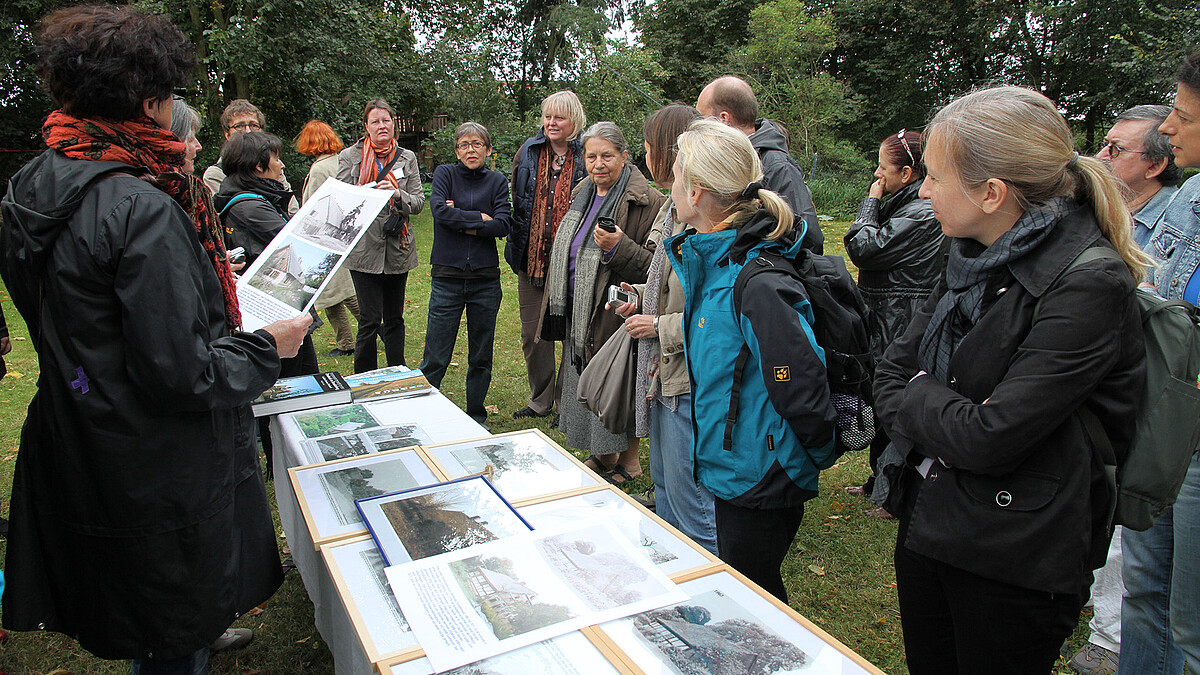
(785,416)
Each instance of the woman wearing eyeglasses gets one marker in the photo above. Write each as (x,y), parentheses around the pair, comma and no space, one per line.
(899,249)
(470,211)
(380,261)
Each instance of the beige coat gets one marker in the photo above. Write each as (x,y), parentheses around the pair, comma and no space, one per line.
(672,373)
(374,253)
(341,286)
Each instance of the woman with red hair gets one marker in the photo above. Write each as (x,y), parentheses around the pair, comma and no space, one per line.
(318,139)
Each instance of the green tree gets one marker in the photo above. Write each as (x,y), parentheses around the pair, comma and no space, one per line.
(693,39)
(784,60)
(623,84)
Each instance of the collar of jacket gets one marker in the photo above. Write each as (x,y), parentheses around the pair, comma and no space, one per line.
(472,174)
(637,191)
(1075,232)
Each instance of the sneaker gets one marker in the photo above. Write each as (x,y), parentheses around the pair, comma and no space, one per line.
(528,412)
(232,638)
(1095,660)
(646,498)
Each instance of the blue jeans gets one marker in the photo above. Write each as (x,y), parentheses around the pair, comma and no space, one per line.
(448,297)
(195,664)
(679,498)
(1160,625)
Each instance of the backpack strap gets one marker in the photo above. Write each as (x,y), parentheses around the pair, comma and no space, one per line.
(735,395)
(239,197)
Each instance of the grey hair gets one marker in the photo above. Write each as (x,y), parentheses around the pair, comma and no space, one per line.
(1158,146)
(185,121)
(606,131)
(473,129)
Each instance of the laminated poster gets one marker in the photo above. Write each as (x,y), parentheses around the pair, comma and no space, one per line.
(286,278)
(493,598)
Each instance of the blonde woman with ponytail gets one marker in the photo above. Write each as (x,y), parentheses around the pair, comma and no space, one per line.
(1002,499)
(762,472)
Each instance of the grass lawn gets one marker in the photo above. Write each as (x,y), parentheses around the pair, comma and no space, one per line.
(838,572)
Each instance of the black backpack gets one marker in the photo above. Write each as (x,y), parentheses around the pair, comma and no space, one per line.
(840,326)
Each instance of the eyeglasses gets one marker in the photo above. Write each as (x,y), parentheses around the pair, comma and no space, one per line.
(248,126)
(471,145)
(900,137)
(1114,150)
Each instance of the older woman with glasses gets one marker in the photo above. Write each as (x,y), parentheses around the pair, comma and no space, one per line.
(470,211)
(602,241)
(382,258)
(899,249)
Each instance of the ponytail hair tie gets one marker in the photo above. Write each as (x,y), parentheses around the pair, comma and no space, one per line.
(1073,161)
(751,191)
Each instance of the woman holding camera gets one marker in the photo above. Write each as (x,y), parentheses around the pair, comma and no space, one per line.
(379,263)
(601,242)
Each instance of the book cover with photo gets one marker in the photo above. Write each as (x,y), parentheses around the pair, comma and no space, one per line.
(301,393)
(390,382)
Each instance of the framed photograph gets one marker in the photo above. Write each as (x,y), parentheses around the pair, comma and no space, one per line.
(377,439)
(727,627)
(334,421)
(326,492)
(521,464)
(427,521)
(570,654)
(668,549)
(356,568)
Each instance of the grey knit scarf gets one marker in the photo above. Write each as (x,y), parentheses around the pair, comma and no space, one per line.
(587,264)
(967,272)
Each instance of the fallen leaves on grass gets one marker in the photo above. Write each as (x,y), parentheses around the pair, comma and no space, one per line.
(817,570)
(493,409)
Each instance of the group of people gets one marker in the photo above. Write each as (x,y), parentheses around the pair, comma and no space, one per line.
(991,336)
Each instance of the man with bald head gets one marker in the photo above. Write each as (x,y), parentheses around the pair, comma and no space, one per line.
(732,101)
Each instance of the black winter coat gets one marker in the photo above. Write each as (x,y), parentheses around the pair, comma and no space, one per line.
(251,222)
(140,523)
(1019,495)
(524,182)
(900,253)
(782,175)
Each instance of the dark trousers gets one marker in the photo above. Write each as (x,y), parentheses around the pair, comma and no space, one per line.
(878,445)
(380,313)
(755,541)
(958,622)
(448,297)
(193,664)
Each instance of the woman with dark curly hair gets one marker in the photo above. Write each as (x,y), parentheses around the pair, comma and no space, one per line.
(140,522)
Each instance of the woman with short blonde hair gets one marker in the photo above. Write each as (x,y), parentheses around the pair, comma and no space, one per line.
(540,200)
(1002,499)
(758,352)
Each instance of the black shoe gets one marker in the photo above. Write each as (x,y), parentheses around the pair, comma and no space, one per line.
(339,352)
(554,424)
(528,412)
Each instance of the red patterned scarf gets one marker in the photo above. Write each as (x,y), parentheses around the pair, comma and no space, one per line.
(373,159)
(142,143)
(541,233)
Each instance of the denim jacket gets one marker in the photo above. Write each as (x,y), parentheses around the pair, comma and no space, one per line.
(1145,220)
(1175,245)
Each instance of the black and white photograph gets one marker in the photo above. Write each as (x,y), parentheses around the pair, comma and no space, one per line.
(327,492)
(332,221)
(570,654)
(666,548)
(366,442)
(724,628)
(357,571)
(431,520)
(521,464)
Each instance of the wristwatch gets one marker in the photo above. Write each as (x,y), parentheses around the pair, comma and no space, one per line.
(656,324)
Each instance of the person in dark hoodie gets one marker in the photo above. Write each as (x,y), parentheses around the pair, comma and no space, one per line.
(785,418)
(139,523)
(732,101)
(470,211)
(253,204)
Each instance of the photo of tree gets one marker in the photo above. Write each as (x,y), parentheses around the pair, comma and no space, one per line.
(294,272)
(601,579)
(379,439)
(292,386)
(334,421)
(343,486)
(508,604)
